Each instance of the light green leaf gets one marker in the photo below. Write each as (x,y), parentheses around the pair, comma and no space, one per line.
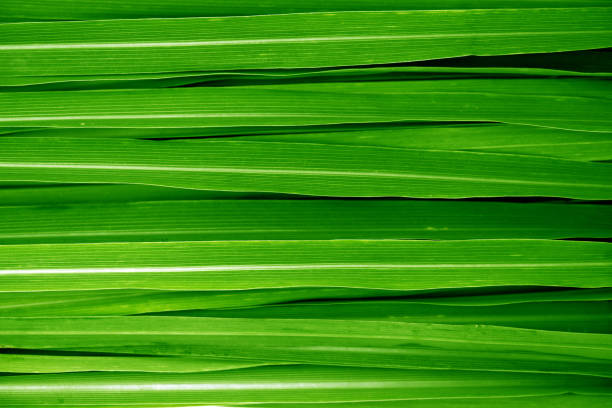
(293,40)
(135,301)
(322,170)
(280,384)
(265,106)
(227,265)
(13,10)
(584,317)
(106,302)
(49,362)
(566,401)
(527,140)
(319,341)
(583,63)
(566,87)
(263,77)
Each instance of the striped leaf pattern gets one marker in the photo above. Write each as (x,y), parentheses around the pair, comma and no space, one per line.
(271,204)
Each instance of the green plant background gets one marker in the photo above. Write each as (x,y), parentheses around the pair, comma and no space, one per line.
(316,204)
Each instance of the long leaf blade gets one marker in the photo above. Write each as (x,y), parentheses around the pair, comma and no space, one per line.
(229,107)
(293,40)
(299,219)
(138,301)
(226,265)
(280,384)
(329,342)
(584,317)
(309,169)
(13,10)
(496,138)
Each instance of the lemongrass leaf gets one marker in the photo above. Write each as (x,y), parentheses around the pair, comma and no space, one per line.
(491,299)
(264,77)
(299,219)
(266,106)
(584,317)
(567,87)
(565,400)
(320,341)
(527,140)
(39,193)
(587,63)
(24,361)
(322,170)
(293,40)
(376,264)
(13,10)
(295,384)
(138,301)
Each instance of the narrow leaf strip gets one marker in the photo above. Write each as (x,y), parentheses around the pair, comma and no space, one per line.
(299,219)
(138,301)
(39,193)
(293,105)
(48,362)
(322,170)
(526,140)
(263,77)
(565,400)
(589,63)
(226,265)
(587,317)
(13,10)
(567,87)
(318,341)
(294,40)
(280,384)
(500,298)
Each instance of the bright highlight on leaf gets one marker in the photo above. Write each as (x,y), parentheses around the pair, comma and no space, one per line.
(374,264)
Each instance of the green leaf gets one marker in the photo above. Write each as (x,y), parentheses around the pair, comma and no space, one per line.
(24,361)
(227,265)
(281,384)
(267,106)
(490,299)
(136,301)
(49,194)
(322,170)
(13,10)
(293,40)
(583,63)
(565,400)
(527,140)
(566,87)
(106,302)
(299,219)
(584,317)
(318,341)
(263,77)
